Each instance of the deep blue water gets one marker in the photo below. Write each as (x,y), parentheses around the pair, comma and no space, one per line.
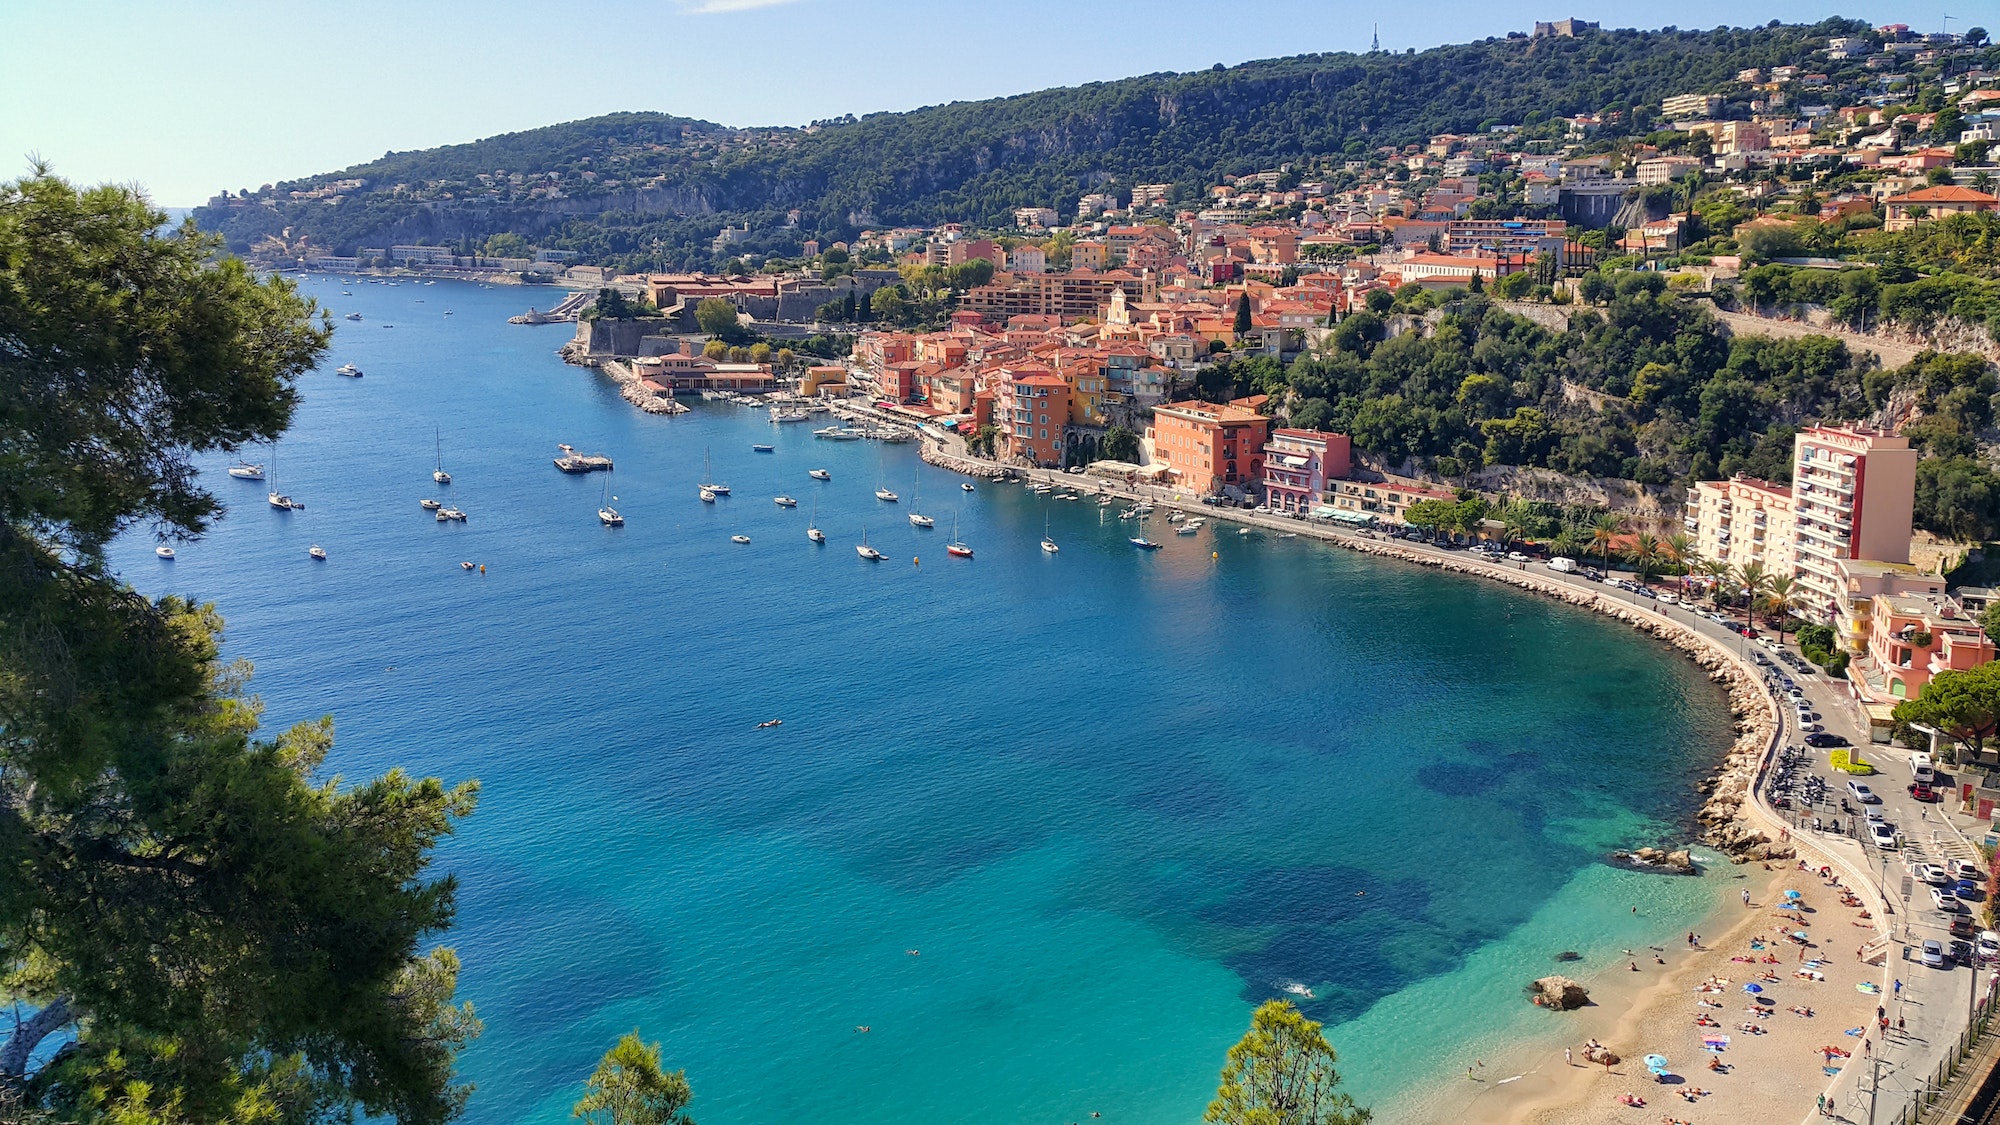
(1114,798)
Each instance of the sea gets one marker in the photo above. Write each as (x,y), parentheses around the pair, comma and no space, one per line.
(1037,832)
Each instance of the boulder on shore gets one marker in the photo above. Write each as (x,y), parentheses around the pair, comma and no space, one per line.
(1558,992)
(1656,859)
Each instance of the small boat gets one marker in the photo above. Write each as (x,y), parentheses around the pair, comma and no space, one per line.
(865,551)
(885,494)
(739,539)
(1143,509)
(1187,529)
(1176,516)
(606,514)
(1145,544)
(317,552)
(788,415)
(1048,544)
(916,486)
(760,449)
(812,525)
(1104,501)
(349,370)
(708,496)
(1243,531)
(438,474)
(957,547)
(819,474)
(1043,490)
(244,470)
(354,316)
(966,486)
(921,520)
(451,514)
(164,552)
(768,723)
(283,502)
(784,502)
(466,565)
(429,505)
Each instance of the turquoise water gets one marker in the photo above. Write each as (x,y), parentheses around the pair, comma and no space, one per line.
(1115,799)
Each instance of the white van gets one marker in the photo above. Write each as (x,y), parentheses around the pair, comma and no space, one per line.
(1920,768)
(1561,565)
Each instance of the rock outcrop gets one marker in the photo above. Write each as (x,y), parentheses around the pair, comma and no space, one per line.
(1656,859)
(1559,993)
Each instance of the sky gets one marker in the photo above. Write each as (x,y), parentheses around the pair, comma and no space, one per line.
(196,96)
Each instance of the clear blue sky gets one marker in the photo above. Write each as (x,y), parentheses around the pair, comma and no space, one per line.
(195,96)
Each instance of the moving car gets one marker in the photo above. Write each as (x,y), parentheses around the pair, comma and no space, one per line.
(1961,952)
(1883,836)
(1862,793)
(1933,874)
(1822,740)
(1965,888)
(1922,792)
(1933,955)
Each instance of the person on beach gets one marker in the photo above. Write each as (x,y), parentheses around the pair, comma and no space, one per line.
(1746,896)
(1568,1059)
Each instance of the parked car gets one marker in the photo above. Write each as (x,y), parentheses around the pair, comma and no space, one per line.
(1516,556)
(1945,901)
(1988,943)
(1862,793)
(1933,955)
(1882,836)
(1933,874)
(1811,728)
(1961,953)
(1824,740)
(1966,888)
(1922,792)
(1966,869)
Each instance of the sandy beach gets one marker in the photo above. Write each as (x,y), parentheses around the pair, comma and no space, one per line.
(1772,1074)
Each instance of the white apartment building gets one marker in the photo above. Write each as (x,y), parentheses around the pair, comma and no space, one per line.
(1852,497)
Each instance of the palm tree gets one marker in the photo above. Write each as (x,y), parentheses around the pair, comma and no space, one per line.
(1782,595)
(1752,579)
(1567,544)
(1646,555)
(1678,550)
(1606,527)
(1982,181)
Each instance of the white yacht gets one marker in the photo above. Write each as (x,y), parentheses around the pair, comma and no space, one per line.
(742,539)
(429,505)
(708,496)
(865,551)
(317,552)
(883,493)
(354,316)
(812,525)
(917,519)
(819,474)
(606,514)
(164,552)
(1048,544)
(453,514)
(784,502)
(349,370)
(244,470)
(708,485)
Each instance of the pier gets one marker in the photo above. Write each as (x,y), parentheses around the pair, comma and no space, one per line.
(573,462)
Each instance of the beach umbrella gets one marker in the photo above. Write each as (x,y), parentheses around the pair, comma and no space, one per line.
(1793,894)
(1753,988)
(1656,1063)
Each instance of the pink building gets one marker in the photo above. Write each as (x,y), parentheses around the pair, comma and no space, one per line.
(1299,464)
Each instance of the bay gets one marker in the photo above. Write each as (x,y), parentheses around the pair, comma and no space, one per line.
(1048,826)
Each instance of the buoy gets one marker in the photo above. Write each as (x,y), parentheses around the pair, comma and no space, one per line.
(482,568)
(915,561)
(1214,555)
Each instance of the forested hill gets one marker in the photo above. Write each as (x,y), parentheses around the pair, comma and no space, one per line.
(641,188)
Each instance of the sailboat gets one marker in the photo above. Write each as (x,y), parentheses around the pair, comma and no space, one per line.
(606,513)
(812,525)
(438,474)
(278,499)
(917,520)
(957,547)
(244,470)
(710,489)
(865,551)
(1048,544)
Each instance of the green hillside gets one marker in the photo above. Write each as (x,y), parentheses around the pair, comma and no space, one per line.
(639,189)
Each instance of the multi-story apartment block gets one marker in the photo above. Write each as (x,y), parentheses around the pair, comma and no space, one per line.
(1852,495)
(1032,408)
(1691,105)
(1213,448)
(1912,638)
(1299,466)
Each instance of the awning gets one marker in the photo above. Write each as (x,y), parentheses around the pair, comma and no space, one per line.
(1292,461)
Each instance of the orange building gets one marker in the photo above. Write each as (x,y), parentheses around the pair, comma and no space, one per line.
(1032,405)
(1212,448)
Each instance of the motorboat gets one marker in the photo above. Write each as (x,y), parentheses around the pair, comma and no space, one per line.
(1186,529)
(1176,516)
(454,514)
(317,552)
(1104,501)
(354,316)
(784,502)
(788,415)
(244,470)
(708,496)
(865,551)
(1243,530)
(1145,544)
(438,474)
(966,486)
(430,505)
(466,565)
(739,539)
(164,552)
(884,494)
(760,449)
(1043,490)
(349,370)
(819,474)
(1143,509)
